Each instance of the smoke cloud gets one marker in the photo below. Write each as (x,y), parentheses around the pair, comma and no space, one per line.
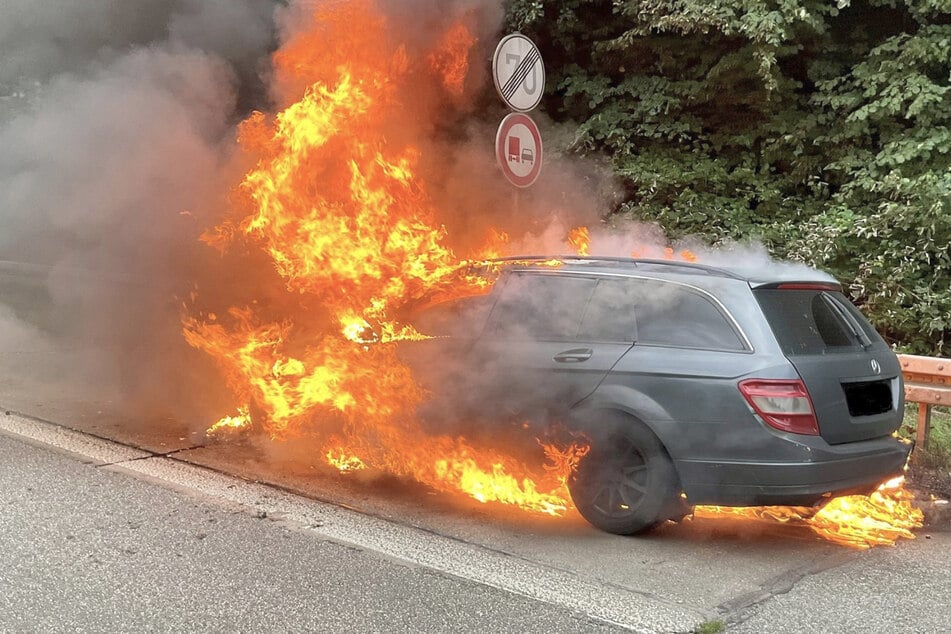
(117,123)
(40,40)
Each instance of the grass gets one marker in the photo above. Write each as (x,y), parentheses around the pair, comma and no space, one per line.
(938,453)
(710,627)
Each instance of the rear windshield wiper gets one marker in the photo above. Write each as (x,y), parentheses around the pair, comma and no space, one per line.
(854,329)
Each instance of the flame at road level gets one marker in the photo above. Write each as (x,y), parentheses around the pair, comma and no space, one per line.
(225,424)
(342,462)
(858,521)
(877,519)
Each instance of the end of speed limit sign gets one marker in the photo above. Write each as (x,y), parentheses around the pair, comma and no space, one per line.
(519,72)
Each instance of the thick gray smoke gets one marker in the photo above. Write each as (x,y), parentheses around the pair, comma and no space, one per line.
(117,128)
(39,40)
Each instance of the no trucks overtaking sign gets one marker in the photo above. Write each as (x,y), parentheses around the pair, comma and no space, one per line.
(518,147)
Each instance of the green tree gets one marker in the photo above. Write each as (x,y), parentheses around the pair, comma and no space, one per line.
(821,128)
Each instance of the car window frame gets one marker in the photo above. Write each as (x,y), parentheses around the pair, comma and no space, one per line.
(597,276)
(745,346)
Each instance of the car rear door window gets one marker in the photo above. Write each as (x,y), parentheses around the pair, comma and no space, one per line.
(542,307)
(673,315)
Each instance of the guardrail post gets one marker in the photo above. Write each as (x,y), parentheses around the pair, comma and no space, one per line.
(928,383)
(924,425)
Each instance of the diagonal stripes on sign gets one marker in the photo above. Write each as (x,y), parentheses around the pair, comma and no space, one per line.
(521,72)
(518,72)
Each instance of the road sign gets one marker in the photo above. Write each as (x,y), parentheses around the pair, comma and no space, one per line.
(519,72)
(518,148)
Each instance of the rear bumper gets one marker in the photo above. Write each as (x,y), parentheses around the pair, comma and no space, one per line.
(836,470)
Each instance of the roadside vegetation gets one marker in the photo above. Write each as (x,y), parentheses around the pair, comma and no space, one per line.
(710,627)
(931,466)
(822,129)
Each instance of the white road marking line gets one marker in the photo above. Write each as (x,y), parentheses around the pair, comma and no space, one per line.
(96,449)
(581,595)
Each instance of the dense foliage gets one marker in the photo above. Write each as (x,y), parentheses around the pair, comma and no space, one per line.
(822,129)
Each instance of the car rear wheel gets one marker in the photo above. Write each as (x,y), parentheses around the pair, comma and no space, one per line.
(626,483)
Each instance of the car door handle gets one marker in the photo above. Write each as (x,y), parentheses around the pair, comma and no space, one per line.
(573,356)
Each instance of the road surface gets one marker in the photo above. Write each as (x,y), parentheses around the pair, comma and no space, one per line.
(92,548)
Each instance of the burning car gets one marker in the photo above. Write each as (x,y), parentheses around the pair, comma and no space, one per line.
(733,388)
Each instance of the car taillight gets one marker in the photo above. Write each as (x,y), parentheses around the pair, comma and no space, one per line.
(783,404)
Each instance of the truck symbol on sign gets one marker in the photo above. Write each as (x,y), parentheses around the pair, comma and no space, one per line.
(515,145)
(518,154)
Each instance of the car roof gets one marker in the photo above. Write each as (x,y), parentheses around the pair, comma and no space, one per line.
(756,275)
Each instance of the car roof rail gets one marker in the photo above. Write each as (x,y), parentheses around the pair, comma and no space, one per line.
(595,259)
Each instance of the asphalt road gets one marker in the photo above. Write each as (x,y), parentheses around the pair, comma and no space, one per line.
(375,541)
(91,548)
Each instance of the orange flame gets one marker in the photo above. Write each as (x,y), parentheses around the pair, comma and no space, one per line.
(496,244)
(228,424)
(858,521)
(863,521)
(580,240)
(345,220)
(451,59)
(343,462)
(667,254)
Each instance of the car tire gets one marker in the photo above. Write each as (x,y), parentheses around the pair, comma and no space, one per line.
(626,484)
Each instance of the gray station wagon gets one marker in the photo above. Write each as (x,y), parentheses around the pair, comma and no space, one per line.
(732,388)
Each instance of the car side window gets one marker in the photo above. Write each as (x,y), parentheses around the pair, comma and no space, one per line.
(540,307)
(610,313)
(670,315)
(461,318)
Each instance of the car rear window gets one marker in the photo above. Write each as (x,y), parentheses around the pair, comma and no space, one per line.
(809,322)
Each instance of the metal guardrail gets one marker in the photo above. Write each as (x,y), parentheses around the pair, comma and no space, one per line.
(928,383)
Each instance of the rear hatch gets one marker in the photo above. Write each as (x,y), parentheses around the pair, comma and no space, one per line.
(853,377)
